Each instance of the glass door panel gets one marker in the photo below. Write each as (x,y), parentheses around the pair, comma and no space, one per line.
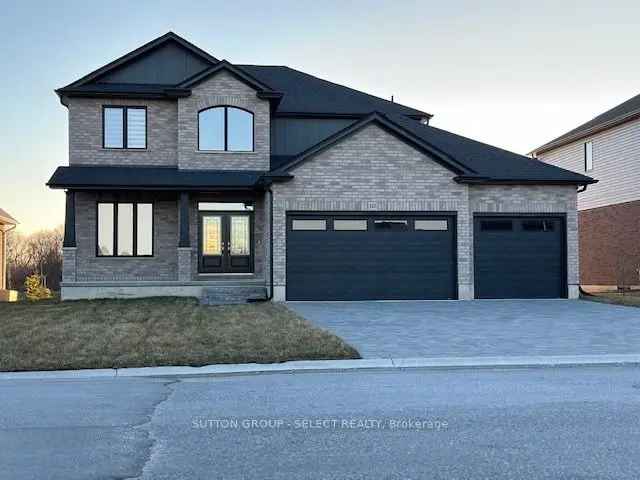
(240,235)
(211,235)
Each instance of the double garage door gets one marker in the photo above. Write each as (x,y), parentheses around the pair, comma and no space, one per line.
(413,257)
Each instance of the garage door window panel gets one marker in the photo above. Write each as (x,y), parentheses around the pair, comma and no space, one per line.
(496,225)
(391,225)
(537,225)
(308,225)
(431,225)
(350,225)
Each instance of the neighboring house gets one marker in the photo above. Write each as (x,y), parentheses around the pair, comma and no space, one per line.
(607,148)
(7,223)
(189,175)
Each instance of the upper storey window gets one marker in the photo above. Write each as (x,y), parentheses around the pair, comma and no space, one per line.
(124,127)
(588,156)
(227,129)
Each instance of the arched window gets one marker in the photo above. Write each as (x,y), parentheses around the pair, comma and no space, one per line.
(225,129)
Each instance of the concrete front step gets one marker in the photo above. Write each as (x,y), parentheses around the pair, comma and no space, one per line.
(230,295)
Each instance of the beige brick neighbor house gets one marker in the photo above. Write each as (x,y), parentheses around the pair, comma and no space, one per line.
(7,223)
(193,176)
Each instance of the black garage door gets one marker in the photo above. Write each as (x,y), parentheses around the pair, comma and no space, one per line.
(519,257)
(370,257)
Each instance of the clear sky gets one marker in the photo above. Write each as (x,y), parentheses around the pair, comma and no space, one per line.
(513,74)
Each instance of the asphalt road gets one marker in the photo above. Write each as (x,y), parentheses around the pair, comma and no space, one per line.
(564,423)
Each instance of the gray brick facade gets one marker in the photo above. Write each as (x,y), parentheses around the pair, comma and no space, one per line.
(534,199)
(374,171)
(162,266)
(85,134)
(222,89)
(370,171)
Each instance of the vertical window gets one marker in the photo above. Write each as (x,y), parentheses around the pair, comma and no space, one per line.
(136,128)
(211,129)
(105,229)
(113,127)
(125,229)
(239,130)
(124,127)
(225,129)
(144,232)
(588,156)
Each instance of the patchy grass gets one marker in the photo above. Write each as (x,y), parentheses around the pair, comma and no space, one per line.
(631,299)
(54,335)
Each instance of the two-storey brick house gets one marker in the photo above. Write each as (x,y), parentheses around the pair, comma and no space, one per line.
(606,147)
(193,176)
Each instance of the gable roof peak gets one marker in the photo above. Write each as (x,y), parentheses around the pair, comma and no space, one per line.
(170,36)
(235,70)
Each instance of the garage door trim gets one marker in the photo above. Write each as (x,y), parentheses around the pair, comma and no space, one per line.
(562,216)
(452,216)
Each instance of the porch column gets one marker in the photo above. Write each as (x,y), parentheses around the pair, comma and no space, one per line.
(70,220)
(69,266)
(184,242)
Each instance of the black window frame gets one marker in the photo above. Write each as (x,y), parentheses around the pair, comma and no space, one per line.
(124,109)
(135,229)
(226,129)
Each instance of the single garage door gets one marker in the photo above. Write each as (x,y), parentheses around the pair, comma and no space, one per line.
(370,257)
(519,257)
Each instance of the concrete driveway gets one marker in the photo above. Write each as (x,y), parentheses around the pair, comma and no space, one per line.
(479,327)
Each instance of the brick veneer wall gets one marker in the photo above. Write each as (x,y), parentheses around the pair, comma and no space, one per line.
(169,262)
(222,89)
(260,232)
(85,134)
(610,245)
(534,199)
(162,266)
(374,171)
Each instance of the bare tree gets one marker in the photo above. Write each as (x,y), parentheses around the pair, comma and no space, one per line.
(40,253)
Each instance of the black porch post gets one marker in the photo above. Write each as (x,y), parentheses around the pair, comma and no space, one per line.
(70,220)
(185,241)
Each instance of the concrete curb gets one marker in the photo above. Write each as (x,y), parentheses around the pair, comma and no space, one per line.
(373,364)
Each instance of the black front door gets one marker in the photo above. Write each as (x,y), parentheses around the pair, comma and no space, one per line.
(225,242)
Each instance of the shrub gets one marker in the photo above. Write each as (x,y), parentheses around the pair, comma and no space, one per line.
(35,290)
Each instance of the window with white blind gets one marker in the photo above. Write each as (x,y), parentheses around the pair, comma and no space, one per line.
(124,127)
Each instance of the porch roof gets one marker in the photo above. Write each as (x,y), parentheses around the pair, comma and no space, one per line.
(155,178)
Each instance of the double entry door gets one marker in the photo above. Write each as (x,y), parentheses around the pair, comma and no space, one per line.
(225,242)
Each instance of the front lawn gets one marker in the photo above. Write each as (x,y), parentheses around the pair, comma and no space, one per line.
(631,299)
(57,335)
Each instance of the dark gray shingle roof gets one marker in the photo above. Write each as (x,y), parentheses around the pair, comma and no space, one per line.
(90,177)
(306,94)
(489,161)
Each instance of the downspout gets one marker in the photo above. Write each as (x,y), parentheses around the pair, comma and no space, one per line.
(583,292)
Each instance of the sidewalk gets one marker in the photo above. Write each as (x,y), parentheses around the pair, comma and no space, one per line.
(381,364)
